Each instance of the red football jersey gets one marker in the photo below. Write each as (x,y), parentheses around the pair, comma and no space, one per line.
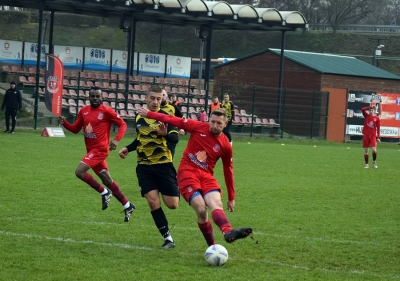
(204,148)
(372,124)
(96,125)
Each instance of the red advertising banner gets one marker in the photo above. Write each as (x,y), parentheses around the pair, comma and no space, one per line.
(54,84)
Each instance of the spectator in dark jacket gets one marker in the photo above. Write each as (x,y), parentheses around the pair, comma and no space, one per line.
(12,102)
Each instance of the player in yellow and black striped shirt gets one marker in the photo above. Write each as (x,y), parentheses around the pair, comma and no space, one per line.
(230,110)
(155,171)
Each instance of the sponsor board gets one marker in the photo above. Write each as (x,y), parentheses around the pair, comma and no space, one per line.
(53,132)
(151,64)
(178,67)
(355,130)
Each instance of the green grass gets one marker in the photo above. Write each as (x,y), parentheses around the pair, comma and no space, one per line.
(317,214)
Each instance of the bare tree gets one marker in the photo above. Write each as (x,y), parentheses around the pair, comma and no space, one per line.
(338,12)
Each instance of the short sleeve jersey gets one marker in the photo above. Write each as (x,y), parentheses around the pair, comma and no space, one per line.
(372,124)
(151,147)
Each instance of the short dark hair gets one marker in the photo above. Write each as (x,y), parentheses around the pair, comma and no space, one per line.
(95,89)
(12,83)
(154,89)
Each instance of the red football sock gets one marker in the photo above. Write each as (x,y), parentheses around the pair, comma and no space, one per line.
(221,220)
(366,158)
(374,156)
(206,229)
(88,178)
(117,193)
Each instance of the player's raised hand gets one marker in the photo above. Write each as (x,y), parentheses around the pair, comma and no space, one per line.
(143,112)
(61,120)
(123,152)
(161,129)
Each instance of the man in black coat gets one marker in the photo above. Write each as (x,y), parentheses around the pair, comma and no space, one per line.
(12,102)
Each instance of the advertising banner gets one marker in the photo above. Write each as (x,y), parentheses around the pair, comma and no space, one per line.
(178,67)
(151,64)
(71,57)
(97,59)
(31,51)
(120,61)
(10,52)
(387,108)
(54,84)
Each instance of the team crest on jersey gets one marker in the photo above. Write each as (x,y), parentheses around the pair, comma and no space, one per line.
(216,147)
(190,189)
(101,115)
(89,132)
(200,159)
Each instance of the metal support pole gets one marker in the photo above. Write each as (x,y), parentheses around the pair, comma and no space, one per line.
(327,114)
(39,53)
(201,65)
(161,34)
(312,115)
(128,64)
(281,74)
(282,122)
(132,49)
(51,45)
(252,110)
(77,96)
(208,65)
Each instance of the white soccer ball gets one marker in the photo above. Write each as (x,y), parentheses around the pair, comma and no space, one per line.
(216,255)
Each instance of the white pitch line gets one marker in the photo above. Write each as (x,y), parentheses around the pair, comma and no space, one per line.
(69,240)
(126,246)
(320,239)
(196,229)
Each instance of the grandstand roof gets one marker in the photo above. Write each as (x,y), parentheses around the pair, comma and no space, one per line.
(178,12)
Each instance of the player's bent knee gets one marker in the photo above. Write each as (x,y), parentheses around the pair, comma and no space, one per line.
(107,182)
(202,213)
(79,174)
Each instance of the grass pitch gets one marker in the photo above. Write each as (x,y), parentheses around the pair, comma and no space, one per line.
(317,214)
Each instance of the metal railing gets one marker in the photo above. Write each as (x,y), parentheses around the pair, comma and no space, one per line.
(357,28)
(296,112)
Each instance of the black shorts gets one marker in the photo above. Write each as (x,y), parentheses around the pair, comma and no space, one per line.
(161,177)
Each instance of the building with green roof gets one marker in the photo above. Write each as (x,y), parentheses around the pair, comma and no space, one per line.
(305,75)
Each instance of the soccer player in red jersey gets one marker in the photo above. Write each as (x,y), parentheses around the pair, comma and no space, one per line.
(196,183)
(371,132)
(96,120)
